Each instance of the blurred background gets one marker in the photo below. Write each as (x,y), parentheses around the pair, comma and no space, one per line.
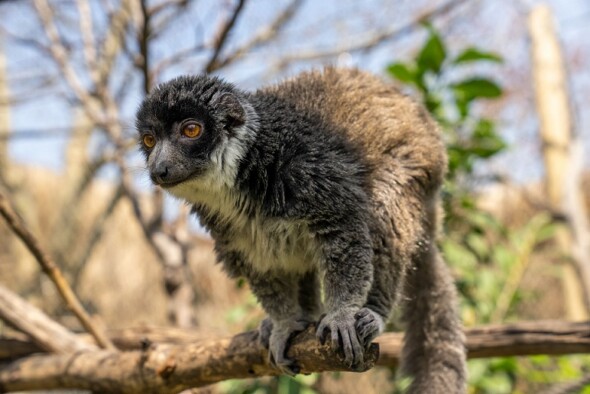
(508,81)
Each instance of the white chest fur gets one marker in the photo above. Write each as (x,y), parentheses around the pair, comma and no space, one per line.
(276,244)
(267,244)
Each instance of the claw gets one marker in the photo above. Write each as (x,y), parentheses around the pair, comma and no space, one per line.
(343,335)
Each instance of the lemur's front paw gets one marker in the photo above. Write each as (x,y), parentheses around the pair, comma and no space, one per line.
(341,325)
(369,324)
(278,342)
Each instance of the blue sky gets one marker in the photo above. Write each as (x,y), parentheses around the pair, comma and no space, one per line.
(50,112)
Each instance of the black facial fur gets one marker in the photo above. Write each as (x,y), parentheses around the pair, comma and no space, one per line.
(209,102)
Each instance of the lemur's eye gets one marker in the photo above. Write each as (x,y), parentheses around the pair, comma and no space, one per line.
(149,141)
(191,130)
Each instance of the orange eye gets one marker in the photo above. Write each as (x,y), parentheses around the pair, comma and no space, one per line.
(149,141)
(191,130)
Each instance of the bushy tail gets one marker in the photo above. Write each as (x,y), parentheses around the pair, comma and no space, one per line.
(434,344)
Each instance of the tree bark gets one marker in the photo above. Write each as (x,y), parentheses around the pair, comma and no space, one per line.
(190,362)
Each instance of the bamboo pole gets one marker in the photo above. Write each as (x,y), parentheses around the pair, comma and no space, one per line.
(4,117)
(561,153)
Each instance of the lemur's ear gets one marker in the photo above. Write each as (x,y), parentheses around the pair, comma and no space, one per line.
(233,111)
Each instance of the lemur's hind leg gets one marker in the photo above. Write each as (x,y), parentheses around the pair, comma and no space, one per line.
(279,297)
(372,317)
(398,218)
(310,298)
(309,301)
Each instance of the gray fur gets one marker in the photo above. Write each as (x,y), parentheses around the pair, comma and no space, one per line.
(332,176)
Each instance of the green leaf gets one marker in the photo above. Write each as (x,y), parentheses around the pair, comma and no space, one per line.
(432,55)
(402,72)
(478,245)
(432,103)
(474,54)
(485,141)
(476,87)
(462,105)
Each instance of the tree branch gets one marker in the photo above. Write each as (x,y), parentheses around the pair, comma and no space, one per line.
(265,35)
(48,266)
(166,368)
(374,39)
(222,36)
(518,339)
(60,56)
(45,332)
(170,360)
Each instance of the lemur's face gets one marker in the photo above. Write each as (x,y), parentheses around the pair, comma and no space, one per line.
(182,126)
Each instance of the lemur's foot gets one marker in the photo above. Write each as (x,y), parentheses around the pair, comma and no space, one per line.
(264,331)
(341,325)
(278,334)
(369,324)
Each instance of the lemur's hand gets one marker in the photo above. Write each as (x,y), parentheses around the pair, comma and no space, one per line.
(341,325)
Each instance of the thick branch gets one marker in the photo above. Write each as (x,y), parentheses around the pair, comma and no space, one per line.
(185,361)
(45,332)
(167,368)
(518,339)
(48,266)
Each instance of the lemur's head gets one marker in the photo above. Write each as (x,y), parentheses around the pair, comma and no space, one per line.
(192,126)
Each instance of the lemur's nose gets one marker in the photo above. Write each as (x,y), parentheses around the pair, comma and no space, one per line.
(160,172)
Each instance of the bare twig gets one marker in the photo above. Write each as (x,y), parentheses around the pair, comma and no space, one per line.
(113,42)
(144,46)
(189,363)
(45,332)
(60,56)
(86,30)
(222,35)
(374,39)
(176,57)
(48,266)
(156,9)
(167,21)
(265,35)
